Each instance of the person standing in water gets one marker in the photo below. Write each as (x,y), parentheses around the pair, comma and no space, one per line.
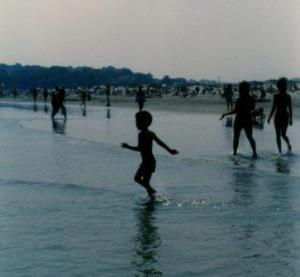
(244,107)
(45,95)
(34,94)
(145,143)
(228,94)
(83,97)
(140,98)
(58,99)
(107,92)
(282,106)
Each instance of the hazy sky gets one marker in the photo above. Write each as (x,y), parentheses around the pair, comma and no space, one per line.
(230,39)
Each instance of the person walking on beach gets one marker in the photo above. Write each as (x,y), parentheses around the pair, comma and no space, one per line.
(34,94)
(244,107)
(263,94)
(140,98)
(107,92)
(228,94)
(45,95)
(282,106)
(83,97)
(145,144)
(57,102)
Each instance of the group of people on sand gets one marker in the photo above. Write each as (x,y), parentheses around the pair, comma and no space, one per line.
(244,109)
(57,100)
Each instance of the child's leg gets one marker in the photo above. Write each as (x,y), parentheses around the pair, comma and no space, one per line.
(146,180)
(143,178)
(139,176)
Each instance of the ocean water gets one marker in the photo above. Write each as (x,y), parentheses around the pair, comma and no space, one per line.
(69,205)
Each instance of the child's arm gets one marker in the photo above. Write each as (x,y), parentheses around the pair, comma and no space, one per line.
(163,145)
(127,146)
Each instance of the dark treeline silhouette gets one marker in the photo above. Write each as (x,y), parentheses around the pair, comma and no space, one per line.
(30,76)
(19,76)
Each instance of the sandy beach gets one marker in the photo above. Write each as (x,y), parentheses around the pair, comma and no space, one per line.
(200,104)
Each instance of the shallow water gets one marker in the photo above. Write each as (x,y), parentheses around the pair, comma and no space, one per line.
(69,206)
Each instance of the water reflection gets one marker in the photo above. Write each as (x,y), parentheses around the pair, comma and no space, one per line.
(147,242)
(108,113)
(282,165)
(46,108)
(244,232)
(243,187)
(59,126)
(35,107)
(263,232)
(83,109)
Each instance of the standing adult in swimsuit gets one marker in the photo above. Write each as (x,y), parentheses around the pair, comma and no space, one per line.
(282,106)
(244,107)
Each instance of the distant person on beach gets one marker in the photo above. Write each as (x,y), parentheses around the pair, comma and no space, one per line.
(140,98)
(45,95)
(57,102)
(282,106)
(244,107)
(83,96)
(228,94)
(263,94)
(107,92)
(145,143)
(14,93)
(34,93)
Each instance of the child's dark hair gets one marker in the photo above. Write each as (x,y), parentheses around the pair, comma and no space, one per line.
(143,119)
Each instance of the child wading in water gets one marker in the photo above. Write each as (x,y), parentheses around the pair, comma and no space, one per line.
(145,143)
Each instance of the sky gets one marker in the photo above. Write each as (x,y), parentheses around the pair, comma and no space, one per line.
(201,39)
